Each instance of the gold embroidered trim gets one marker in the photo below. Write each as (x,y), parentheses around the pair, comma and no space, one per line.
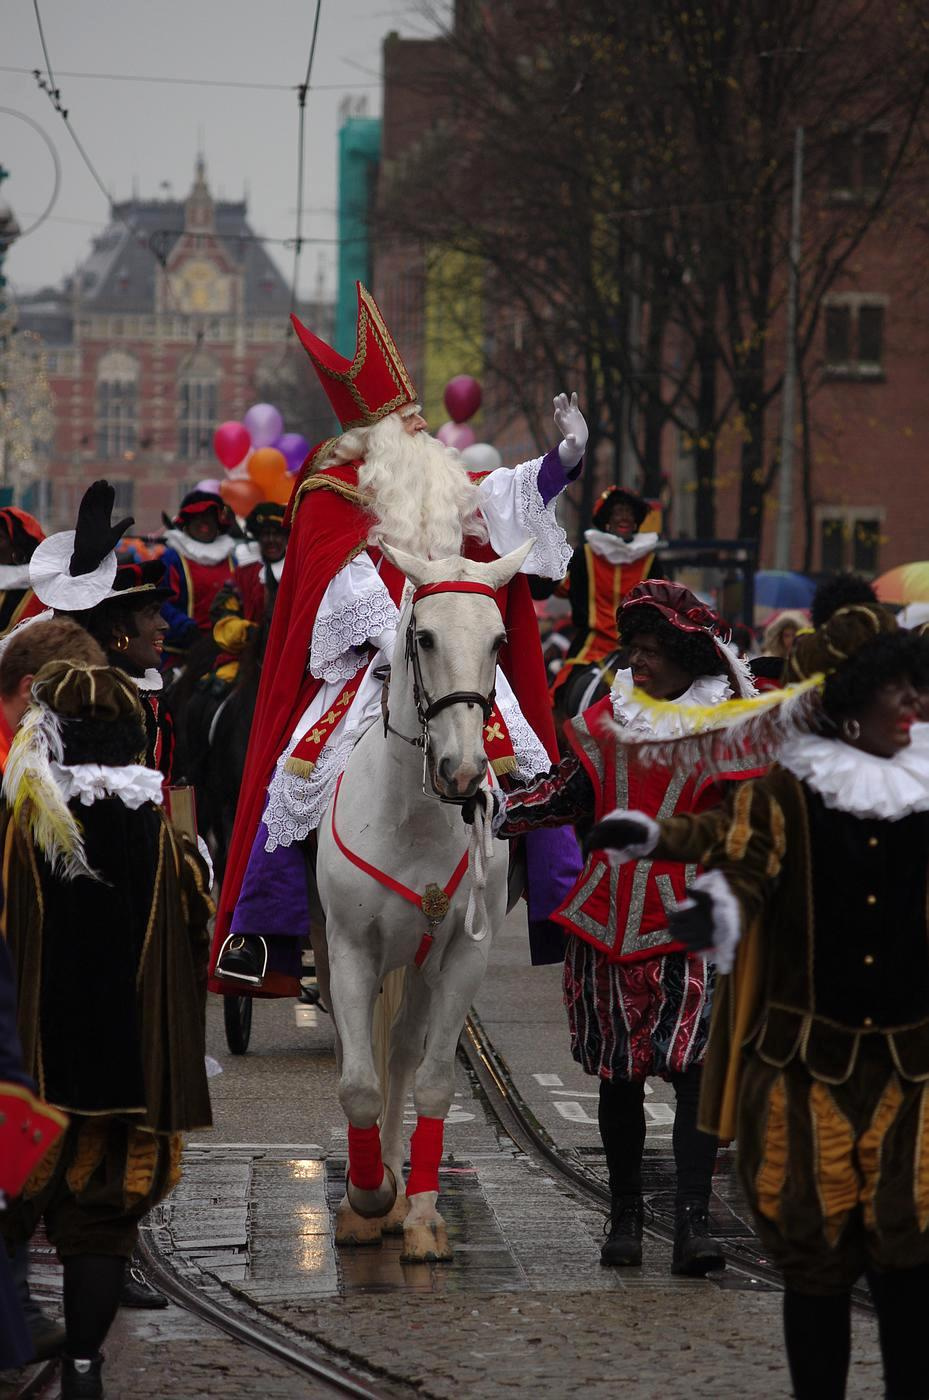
(921,1163)
(503,765)
(740,829)
(150,927)
(871,1146)
(834,1164)
(772,1173)
(300,767)
(88,1154)
(141,1166)
(779,840)
(44,1170)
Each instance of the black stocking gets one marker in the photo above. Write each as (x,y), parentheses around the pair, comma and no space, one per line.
(818,1334)
(92,1285)
(694,1152)
(621,1116)
(901,1298)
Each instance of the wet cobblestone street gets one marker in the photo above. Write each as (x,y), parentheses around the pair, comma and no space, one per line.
(523,1308)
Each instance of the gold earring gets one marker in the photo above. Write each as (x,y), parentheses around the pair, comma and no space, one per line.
(121,643)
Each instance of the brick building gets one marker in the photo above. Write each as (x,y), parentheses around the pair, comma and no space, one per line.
(862,499)
(177,320)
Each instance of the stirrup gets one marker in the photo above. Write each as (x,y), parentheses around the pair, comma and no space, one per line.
(234,943)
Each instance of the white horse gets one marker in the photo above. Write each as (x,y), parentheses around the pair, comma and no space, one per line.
(387,820)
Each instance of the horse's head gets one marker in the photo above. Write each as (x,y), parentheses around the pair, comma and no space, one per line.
(450,640)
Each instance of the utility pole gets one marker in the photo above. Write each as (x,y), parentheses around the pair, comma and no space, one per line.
(9,232)
(789,390)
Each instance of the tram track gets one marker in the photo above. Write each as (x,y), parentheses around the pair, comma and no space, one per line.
(523,1127)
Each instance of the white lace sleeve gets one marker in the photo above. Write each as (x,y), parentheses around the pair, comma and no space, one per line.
(356,608)
(514,511)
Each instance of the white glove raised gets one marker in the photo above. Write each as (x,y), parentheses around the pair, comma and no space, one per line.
(570,422)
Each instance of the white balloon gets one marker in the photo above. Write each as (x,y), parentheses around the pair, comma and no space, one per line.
(482,457)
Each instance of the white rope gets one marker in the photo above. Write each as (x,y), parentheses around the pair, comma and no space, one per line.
(480,851)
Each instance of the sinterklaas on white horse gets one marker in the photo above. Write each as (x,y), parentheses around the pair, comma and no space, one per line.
(405,889)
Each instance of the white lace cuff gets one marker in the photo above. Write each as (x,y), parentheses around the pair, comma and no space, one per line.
(132,783)
(356,608)
(297,805)
(514,511)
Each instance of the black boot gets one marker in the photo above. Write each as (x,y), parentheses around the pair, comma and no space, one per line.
(695,1250)
(136,1291)
(243,958)
(80,1380)
(623,1244)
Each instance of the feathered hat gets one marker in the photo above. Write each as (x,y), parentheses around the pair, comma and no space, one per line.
(265,513)
(74,570)
(684,611)
(22,528)
(197,503)
(756,727)
(374,382)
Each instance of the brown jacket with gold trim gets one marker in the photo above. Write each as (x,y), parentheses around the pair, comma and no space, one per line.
(835,943)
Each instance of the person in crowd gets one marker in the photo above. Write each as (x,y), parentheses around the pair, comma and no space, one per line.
(105,914)
(76,573)
(242,606)
(816,885)
(638,1004)
(335,620)
(781,633)
(20,534)
(198,561)
(616,555)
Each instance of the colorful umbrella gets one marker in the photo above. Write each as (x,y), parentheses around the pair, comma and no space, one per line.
(907,583)
(779,589)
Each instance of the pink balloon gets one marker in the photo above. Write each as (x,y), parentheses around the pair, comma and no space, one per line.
(264,424)
(209,483)
(457,435)
(231,442)
(295,449)
(462,397)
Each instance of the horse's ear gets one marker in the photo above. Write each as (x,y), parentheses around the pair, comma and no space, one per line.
(501,570)
(408,564)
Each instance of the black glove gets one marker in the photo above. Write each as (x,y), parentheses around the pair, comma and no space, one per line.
(615,835)
(468,807)
(94,536)
(694,927)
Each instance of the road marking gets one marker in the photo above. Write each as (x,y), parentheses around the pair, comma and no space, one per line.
(548,1081)
(574,1112)
(660,1112)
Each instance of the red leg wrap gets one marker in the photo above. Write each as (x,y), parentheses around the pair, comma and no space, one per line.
(365,1167)
(425,1155)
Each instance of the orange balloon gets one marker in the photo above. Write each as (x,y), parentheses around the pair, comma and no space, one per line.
(241,496)
(266,467)
(281,490)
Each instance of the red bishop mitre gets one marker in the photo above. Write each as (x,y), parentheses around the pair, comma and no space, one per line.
(375,382)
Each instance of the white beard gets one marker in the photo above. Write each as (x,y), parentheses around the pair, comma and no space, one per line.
(418,489)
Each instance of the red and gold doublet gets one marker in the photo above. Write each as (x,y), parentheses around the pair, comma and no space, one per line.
(623,911)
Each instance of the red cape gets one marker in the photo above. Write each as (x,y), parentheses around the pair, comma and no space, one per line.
(329,527)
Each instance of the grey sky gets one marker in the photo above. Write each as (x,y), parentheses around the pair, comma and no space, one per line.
(146,134)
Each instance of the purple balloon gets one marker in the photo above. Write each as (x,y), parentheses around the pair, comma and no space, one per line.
(457,435)
(295,448)
(209,484)
(462,397)
(264,424)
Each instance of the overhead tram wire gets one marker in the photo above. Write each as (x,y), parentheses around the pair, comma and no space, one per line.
(301,136)
(163,78)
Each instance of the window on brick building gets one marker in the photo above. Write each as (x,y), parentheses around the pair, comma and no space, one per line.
(117,405)
(850,538)
(857,164)
(197,407)
(854,336)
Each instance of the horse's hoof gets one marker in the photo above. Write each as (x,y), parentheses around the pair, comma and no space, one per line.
(425,1244)
(354,1229)
(371,1205)
(392,1224)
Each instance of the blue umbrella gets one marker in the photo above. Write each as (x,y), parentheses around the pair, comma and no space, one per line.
(777,588)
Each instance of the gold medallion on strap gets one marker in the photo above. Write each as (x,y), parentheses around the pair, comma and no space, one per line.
(435,904)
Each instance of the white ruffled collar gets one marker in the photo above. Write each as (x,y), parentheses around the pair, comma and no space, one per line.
(617,551)
(849,780)
(14,576)
(666,724)
(133,784)
(151,679)
(198,551)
